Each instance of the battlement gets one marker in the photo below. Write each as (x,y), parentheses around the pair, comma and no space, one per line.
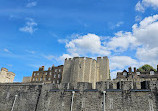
(85,69)
(100,58)
(79,96)
(4,69)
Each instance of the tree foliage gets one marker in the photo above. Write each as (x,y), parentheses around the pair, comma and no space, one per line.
(146,67)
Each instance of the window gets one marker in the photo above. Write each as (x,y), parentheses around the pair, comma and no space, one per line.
(50,73)
(138,73)
(144,85)
(33,79)
(151,72)
(54,75)
(59,70)
(125,73)
(53,82)
(45,79)
(56,70)
(45,73)
(58,75)
(41,79)
(34,74)
(57,81)
(49,79)
(37,74)
(36,79)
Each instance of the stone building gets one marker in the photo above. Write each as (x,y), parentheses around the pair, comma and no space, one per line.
(52,75)
(6,76)
(140,78)
(26,79)
(81,69)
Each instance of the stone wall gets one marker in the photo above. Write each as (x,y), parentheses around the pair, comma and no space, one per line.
(27,97)
(53,97)
(81,69)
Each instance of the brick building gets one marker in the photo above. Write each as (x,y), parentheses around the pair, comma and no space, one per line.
(52,75)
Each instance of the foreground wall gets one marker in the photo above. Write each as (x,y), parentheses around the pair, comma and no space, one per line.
(26,100)
(50,97)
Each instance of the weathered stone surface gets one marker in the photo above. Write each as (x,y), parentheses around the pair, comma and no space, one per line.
(51,97)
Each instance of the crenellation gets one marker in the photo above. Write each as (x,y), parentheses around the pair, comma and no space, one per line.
(84,69)
(48,97)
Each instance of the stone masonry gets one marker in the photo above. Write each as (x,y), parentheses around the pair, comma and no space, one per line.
(81,69)
(6,76)
(78,97)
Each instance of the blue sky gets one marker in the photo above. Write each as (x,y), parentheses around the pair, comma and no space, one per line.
(34,33)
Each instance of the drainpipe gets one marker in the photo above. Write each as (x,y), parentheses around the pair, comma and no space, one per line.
(104,92)
(14,102)
(72,99)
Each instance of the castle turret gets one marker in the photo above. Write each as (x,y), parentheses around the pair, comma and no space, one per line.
(84,69)
(103,68)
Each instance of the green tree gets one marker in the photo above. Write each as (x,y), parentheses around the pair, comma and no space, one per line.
(146,67)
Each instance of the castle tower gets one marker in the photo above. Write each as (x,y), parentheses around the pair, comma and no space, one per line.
(81,69)
(103,68)
(67,70)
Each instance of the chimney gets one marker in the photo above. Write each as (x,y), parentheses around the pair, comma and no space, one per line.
(49,68)
(129,69)
(135,70)
(41,68)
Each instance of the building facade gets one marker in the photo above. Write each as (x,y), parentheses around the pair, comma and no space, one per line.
(26,79)
(52,75)
(140,79)
(81,69)
(6,76)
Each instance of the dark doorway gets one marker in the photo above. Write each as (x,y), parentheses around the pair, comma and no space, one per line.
(144,85)
(118,85)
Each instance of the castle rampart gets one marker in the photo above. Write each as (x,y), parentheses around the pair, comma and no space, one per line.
(58,97)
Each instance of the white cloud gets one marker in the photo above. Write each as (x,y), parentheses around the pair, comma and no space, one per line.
(148,55)
(152,3)
(31,4)
(30,26)
(119,24)
(143,4)
(62,40)
(113,74)
(87,44)
(113,26)
(122,41)
(6,50)
(64,56)
(146,31)
(138,18)
(139,7)
(49,57)
(120,62)
(30,51)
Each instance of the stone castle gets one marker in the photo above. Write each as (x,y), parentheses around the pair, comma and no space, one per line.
(85,86)
(81,69)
